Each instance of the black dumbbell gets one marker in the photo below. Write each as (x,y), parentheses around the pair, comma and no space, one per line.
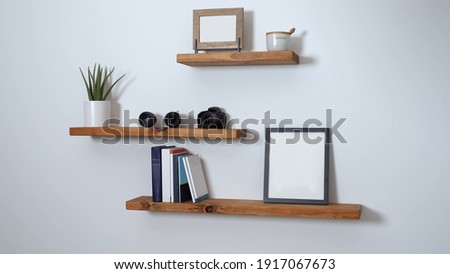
(147,119)
(172,119)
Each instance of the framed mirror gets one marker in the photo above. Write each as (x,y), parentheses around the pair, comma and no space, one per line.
(218,29)
(296,165)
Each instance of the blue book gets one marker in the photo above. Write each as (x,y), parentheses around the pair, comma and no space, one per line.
(156,174)
(175,177)
(184,194)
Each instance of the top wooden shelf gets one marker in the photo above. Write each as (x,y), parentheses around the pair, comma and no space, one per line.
(228,58)
(155,132)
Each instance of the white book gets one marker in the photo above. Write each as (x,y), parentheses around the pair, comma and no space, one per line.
(196,178)
(167,172)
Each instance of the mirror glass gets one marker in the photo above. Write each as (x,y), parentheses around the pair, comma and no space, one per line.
(217,28)
(296,166)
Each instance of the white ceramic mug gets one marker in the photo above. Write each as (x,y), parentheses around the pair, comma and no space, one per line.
(278,40)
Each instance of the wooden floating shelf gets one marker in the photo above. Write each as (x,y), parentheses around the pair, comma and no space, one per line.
(156,132)
(250,207)
(239,58)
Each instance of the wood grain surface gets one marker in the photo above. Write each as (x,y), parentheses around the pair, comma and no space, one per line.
(239,58)
(155,132)
(250,207)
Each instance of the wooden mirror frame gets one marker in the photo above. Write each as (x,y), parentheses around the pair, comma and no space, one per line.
(237,44)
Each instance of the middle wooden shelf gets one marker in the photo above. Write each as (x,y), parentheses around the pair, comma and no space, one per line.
(157,132)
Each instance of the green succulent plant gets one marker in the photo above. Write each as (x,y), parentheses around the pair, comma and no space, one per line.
(96,82)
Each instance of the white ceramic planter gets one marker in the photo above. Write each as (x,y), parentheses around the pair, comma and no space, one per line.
(96,112)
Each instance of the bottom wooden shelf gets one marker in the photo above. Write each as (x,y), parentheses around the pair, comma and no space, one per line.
(250,207)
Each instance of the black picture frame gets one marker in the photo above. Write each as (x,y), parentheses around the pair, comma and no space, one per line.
(270,196)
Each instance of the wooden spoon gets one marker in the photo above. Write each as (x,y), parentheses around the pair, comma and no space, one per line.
(291,31)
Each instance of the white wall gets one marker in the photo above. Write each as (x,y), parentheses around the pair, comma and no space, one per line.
(382,64)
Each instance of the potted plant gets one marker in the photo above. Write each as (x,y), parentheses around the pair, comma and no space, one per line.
(97,109)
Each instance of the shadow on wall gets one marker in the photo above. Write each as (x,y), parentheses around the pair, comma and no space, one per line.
(119,90)
(370,215)
(332,182)
(297,45)
(367,214)
(248,31)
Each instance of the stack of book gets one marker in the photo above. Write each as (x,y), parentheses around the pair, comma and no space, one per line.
(177,176)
